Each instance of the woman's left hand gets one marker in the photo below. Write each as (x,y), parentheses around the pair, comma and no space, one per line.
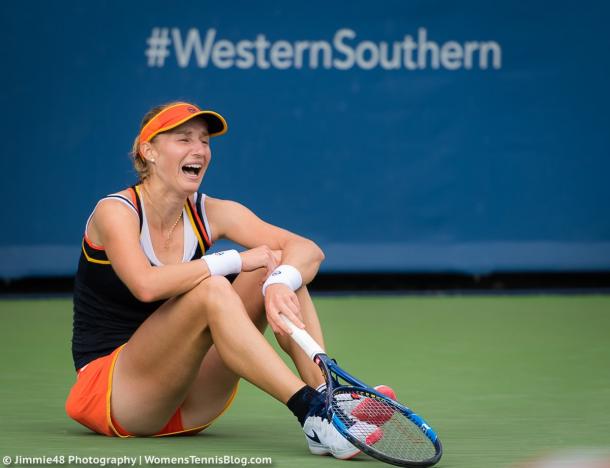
(280,299)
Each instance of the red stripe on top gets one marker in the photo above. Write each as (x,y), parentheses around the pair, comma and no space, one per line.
(132,192)
(199,223)
(91,244)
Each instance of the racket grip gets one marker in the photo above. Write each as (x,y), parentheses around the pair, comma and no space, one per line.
(303,339)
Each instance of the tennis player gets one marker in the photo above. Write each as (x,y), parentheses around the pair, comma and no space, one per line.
(161,337)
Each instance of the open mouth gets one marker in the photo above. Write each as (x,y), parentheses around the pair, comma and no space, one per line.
(192,169)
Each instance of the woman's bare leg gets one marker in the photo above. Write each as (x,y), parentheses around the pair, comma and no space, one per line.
(309,371)
(157,367)
(212,388)
(215,382)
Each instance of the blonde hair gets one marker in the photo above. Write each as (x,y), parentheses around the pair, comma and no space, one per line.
(141,165)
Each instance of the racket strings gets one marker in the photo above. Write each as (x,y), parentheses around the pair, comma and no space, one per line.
(379,425)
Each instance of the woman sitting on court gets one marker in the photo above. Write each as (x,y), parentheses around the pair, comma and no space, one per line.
(161,337)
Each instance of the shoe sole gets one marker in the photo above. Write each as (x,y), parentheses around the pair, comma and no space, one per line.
(321,451)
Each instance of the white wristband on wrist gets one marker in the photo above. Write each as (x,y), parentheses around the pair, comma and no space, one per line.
(223,263)
(284,274)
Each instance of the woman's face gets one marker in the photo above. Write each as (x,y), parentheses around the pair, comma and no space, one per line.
(183,155)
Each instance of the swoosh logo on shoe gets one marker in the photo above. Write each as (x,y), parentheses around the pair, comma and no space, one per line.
(315,437)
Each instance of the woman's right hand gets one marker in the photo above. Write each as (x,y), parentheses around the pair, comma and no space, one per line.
(259,257)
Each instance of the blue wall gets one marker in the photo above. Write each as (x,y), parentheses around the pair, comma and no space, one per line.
(480,145)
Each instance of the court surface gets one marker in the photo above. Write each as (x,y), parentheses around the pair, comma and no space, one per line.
(502,379)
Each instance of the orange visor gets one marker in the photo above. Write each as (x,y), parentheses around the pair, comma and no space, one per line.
(177,114)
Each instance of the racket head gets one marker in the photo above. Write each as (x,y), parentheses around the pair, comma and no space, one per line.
(382,427)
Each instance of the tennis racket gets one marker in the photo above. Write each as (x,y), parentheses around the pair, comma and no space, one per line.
(376,424)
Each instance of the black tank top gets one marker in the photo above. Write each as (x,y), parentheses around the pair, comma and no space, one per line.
(106,313)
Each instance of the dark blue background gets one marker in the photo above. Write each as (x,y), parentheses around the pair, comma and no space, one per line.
(426,170)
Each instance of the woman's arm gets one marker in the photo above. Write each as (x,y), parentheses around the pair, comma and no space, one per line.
(233,221)
(118,230)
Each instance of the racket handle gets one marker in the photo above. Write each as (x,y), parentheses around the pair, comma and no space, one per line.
(303,339)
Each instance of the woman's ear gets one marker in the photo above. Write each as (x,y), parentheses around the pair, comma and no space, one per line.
(147,151)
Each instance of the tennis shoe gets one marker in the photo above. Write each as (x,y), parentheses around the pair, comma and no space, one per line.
(324,439)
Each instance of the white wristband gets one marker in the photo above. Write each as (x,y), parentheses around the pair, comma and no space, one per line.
(223,263)
(285,274)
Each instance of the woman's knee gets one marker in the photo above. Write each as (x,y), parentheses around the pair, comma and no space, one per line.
(213,296)
(213,290)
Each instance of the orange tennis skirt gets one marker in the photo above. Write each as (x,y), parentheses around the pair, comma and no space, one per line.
(89,401)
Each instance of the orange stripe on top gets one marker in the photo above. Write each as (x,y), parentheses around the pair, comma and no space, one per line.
(132,193)
(196,216)
(189,212)
(91,259)
(91,244)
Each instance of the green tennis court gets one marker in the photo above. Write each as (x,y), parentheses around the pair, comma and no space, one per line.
(501,379)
